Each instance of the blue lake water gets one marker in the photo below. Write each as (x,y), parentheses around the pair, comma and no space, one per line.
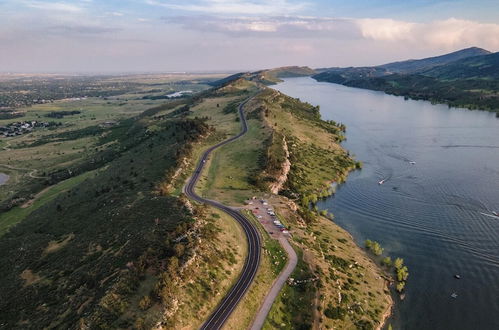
(436,213)
(3,178)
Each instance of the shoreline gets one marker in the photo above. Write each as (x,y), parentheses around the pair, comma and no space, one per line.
(389,310)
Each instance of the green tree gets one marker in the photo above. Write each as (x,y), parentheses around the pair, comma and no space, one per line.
(402,273)
(398,263)
(400,286)
(368,243)
(377,249)
(387,261)
(313,198)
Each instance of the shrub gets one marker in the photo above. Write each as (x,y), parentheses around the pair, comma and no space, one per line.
(145,303)
(335,313)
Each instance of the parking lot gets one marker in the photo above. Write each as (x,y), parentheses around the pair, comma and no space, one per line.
(264,212)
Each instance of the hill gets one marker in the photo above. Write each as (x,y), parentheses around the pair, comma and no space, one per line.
(273,76)
(459,79)
(228,79)
(413,66)
(106,240)
(476,67)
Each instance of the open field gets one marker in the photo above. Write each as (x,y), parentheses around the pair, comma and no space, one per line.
(232,167)
(29,159)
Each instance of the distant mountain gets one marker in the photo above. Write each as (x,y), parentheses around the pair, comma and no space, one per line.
(477,67)
(467,78)
(413,66)
(342,75)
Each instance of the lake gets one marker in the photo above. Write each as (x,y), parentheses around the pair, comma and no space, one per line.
(435,213)
(3,178)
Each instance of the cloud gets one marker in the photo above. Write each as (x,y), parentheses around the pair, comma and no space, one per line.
(54,6)
(79,30)
(455,32)
(220,7)
(279,26)
(440,34)
(384,29)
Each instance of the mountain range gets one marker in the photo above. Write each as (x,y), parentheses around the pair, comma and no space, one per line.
(467,78)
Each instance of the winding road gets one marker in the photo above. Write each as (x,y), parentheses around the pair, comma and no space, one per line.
(235,294)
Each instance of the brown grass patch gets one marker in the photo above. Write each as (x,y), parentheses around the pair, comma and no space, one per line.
(54,246)
(29,277)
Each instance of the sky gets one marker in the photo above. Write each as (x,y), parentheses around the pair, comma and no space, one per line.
(104,36)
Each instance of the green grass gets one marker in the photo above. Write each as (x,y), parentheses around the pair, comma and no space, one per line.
(17,214)
(233,167)
(271,246)
(292,309)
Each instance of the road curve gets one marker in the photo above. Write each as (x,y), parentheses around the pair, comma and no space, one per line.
(227,305)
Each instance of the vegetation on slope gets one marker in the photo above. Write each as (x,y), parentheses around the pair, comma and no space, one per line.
(315,156)
(110,246)
(80,255)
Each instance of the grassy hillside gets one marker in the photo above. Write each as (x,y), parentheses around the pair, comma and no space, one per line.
(99,241)
(99,236)
(479,67)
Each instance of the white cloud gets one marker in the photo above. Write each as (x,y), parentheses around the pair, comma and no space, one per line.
(441,34)
(384,29)
(457,32)
(447,34)
(54,6)
(220,7)
(281,26)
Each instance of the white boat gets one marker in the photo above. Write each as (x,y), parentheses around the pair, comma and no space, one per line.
(454,295)
(381,182)
(412,162)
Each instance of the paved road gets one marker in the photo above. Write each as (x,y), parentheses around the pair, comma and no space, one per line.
(229,303)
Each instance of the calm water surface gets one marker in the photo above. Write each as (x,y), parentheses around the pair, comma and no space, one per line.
(436,213)
(3,178)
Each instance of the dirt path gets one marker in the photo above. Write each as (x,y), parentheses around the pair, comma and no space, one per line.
(7,146)
(261,316)
(31,174)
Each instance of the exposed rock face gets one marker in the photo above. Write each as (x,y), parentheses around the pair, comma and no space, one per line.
(286,166)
